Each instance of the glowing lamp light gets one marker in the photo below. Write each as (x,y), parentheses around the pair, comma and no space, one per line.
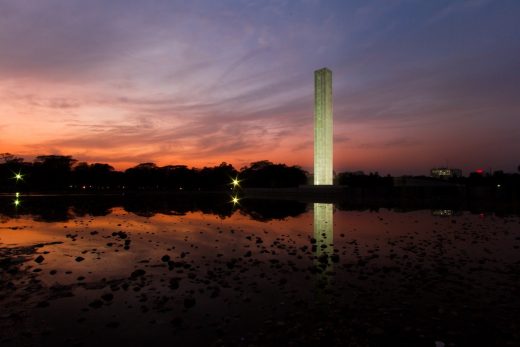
(17,194)
(235,182)
(18,176)
(16,202)
(234,199)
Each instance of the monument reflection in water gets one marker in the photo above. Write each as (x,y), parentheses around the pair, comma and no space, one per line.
(324,236)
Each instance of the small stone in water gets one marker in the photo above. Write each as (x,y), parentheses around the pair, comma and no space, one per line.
(189,302)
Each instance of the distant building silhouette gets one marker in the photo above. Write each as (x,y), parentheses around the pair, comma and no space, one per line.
(445,173)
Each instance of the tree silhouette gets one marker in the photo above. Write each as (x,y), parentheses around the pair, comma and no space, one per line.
(178,177)
(265,174)
(52,172)
(10,167)
(94,176)
(142,176)
(218,177)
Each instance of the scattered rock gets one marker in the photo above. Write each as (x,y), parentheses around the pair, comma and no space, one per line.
(189,302)
(42,304)
(107,297)
(96,303)
(112,325)
(137,273)
(174,283)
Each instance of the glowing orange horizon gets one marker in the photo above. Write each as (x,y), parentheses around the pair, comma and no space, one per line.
(236,84)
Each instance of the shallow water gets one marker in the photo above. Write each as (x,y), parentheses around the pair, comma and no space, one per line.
(258,273)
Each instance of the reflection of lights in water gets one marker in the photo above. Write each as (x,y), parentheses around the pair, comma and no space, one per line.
(442,213)
(323,234)
(17,194)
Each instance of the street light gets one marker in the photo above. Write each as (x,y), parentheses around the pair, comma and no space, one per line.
(18,176)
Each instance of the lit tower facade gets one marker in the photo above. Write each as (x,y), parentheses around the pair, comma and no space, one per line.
(323,127)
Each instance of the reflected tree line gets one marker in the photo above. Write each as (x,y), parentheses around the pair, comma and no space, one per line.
(64,173)
(63,208)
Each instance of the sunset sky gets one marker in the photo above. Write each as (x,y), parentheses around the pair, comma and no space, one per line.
(417,84)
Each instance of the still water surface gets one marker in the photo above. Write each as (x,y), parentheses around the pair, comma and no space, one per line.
(259,273)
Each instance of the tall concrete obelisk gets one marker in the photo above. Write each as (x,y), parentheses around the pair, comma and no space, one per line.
(322,127)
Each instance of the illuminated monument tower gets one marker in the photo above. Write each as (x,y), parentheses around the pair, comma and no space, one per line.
(322,127)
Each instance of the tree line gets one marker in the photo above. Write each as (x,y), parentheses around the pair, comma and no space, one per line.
(63,172)
(497,180)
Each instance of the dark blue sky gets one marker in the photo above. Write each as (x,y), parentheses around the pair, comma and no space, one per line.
(417,84)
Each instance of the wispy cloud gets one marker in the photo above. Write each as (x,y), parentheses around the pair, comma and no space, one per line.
(207,81)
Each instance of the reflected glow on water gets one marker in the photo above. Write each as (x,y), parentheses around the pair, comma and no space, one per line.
(323,228)
(324,235)
(249,271)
